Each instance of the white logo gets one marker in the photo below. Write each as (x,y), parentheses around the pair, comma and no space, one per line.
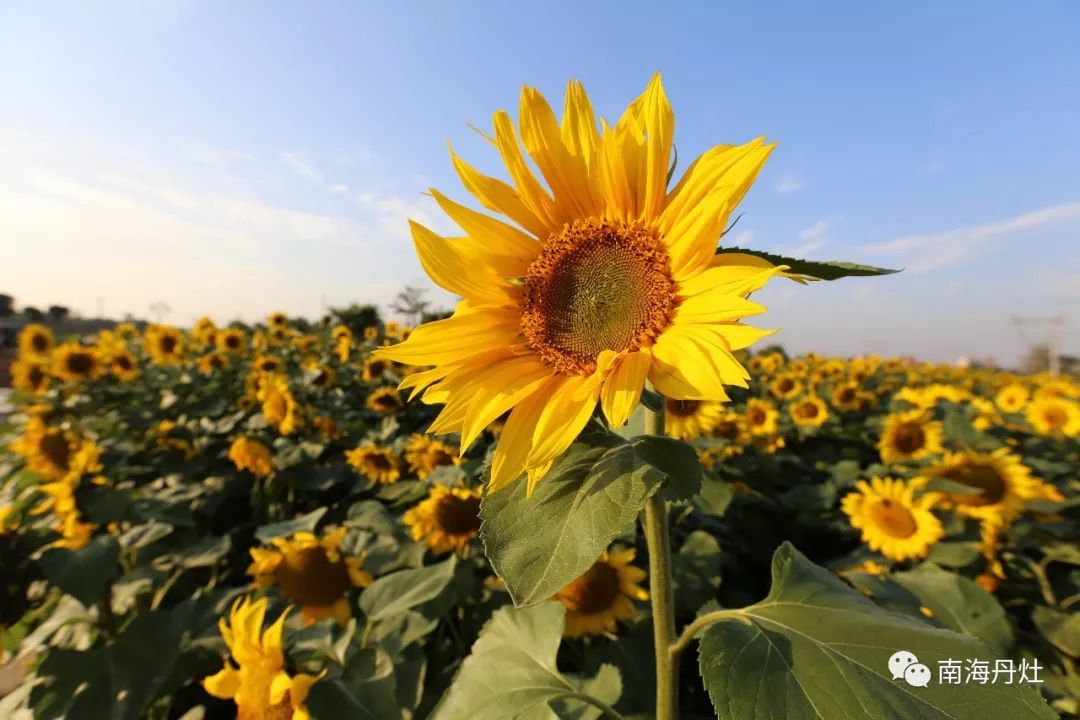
(900,661)
(917,675)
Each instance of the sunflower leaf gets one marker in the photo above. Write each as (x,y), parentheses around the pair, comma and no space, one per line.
(591,494)
(397,592)
(83,573)
(817,269)
(815,648)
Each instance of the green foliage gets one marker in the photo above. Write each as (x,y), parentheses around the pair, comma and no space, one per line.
(820,270)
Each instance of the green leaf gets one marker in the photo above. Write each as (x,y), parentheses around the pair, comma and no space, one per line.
(590,495)
(1061,629)
(822,270)
(83,573)
(204,553)
(365,691)
(300,523)
(398,592)
(954,553)
(511,672)
(715,496)
(677,460)
(814,648)
(696,571)
(959,604)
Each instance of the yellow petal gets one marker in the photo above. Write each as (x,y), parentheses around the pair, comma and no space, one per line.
(301,685)
(279,687)
(660,134)
(515,440)
(535,475)
(463,266)
(579,133)
(502,239)
(529,189)
(502,387)
(457,337)
(713,307)
(622,388)
(561,420)
(498,196)
(566,174)
(223,684)
(682,370)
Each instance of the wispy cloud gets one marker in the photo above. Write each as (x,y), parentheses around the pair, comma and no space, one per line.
(927,252)
(789,182)
(304,168)
(743,239)
(810,239)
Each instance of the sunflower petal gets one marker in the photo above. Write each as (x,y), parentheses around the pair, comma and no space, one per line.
(506,243)
(515,440)
(529,189)
(464,266)
(579,133)
(660,134)
(223,684)
(561,420)
(499,197)
(683,370)
(451,340)
(622,388)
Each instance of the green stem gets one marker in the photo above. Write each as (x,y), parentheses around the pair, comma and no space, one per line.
(589,699)
(658,539)
(703,622)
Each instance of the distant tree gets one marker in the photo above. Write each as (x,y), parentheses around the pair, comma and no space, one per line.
(7,305)
(433,315)
(357,317)
(33,314)
(410,302)
(58,313)
(771,348)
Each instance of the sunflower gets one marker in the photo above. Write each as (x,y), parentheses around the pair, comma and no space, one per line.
(1012,398)
(809,411)
(1051,386)
(785,386)
(846,396)
(311,572)
(212,361)
(1004,483)
(986,413)
(893,522)
(258,683)
(690,419)
(278,321)
(55,453)
(319,375)
(30,375)
(231,340)
(731,428)
(448,519)
(371,333)
(381,465)
(1054,416)
(424,455)
(278,405)
(73,362)
(164,344)
(123,366)
(305,343)
(604,594)
(266,364)
(204,332)
(374,368)
(250,454)
(384,400)
(326,426)
(606,281)
(35,341)
(761,417)
(341,331)
(908,436)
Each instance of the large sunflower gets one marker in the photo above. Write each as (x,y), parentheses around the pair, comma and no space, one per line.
(603,594)
(35,341)
(312,572)
(447,519)
(910,435)
(258,683)
(1003,484)
(893,522)
(690,419)
(73,362)
(604,279)
(55,453)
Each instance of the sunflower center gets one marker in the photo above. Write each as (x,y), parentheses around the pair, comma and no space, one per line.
(893,519)
(726,429)
(909,439)
(123,362)
(380,462)
(596,285)
(168,344)
(1055,417)
(808,410)
(785,385)
(80,363)
(36,375)
(683,408)
(232,342)
(595,591)
(458,516)
(40,343)
(310,578)
(984,477)
(755,416)
(54,446)
(845,395)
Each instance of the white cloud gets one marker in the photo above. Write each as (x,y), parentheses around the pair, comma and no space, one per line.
(743,239)
(926,252)
(789,182)
(304,168)
(810,239)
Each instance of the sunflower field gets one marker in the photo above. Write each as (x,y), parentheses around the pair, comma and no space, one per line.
(619,516)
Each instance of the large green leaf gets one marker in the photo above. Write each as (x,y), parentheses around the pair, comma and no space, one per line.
(959,604)
(399,592)
(821,270)
(511,672)
(1061,629)
(83,573)
(816,649)
(365,690)
(589,497)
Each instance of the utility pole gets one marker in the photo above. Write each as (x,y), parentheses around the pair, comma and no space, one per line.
(1053,324)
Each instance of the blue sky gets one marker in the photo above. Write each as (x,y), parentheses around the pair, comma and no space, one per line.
(236,158)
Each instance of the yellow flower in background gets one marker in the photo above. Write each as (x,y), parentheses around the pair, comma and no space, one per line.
(847,396)
(384,400)
(171,443)
(319,375)
(326,426)
(164,344)
(371,333)
(123,366)
(690,419)
(35,341)
(1002,483)
(929,396)
(381,465)
(250,454)
(447,520)
(204,332)
(55,453)
(785,386)
(1054,416)
(809,411)
(1012,398)
(279,407)
(278,321)
(606,279)
(266,364)
(231,340)
(341,331)
(761,417)
(732,429)
(1051,386)
(312,572)
(374,368)
(211,362)
(909,436)
(30,375)
(72,362)
(603,595)
(258,682)
(424,455)
(893,522)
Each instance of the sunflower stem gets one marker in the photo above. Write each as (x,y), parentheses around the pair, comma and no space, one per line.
(658,539)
